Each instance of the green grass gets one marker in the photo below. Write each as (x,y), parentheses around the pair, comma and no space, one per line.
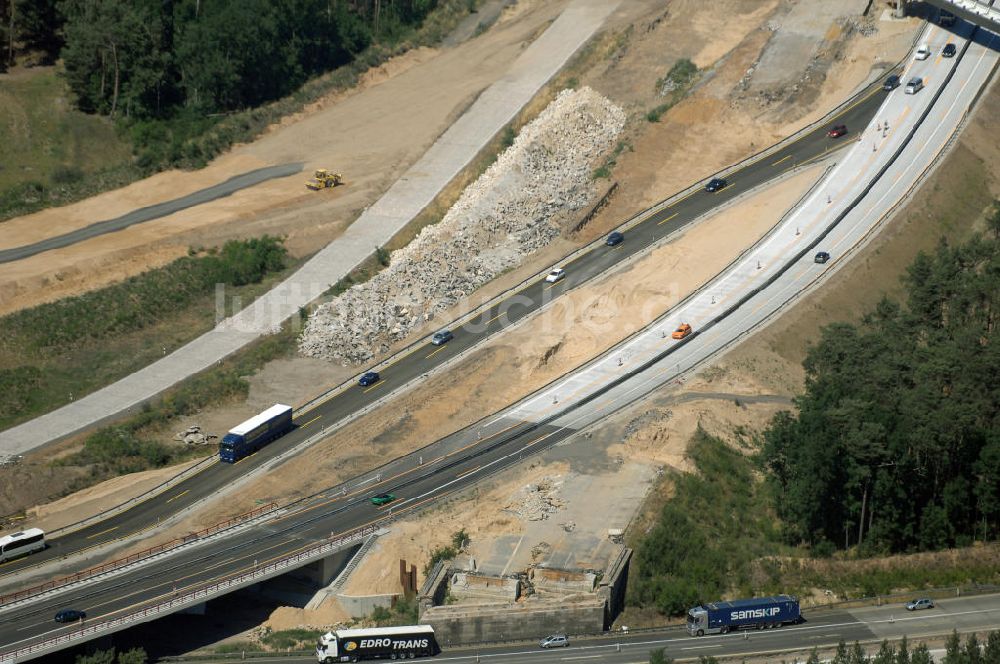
(674,86)
(296,639)
(51,154)
(49,150)
(235,647)
(57,352)
(131,445)
(604,170)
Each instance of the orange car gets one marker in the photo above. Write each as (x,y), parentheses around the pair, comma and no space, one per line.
(682,331)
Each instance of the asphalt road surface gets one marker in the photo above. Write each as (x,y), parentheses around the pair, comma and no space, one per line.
(408,367)
(141,215)
(465,457)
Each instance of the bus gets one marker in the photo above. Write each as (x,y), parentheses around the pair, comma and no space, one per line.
(20,544)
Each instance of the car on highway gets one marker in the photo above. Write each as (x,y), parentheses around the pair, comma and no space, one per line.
(949,50)
(918,604)
(369,378)
(837,131)
(915,85)
(70,615)
(442,337)
(715,184)
(556,274)
(821,257)
(554,641)
(615,238)
(891,83)
(382,499)
(923,52)
(682,331)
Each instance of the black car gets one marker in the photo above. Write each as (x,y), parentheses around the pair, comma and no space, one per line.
(369,378)
(891,83)
(715,184)
(70,615)
(614,238)
(949,50)
(821,257)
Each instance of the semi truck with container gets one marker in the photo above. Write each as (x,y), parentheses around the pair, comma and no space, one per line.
(353,645)
(758,613)
(255,433)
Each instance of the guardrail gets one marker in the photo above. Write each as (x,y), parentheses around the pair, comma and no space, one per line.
(190,598)
(136,557)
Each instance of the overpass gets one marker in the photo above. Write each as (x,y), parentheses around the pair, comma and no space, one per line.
(978,12)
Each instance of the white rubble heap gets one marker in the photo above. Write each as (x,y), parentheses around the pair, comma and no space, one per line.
(535,502)
(509,212)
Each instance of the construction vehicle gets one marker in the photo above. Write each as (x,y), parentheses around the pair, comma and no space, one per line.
(323,179)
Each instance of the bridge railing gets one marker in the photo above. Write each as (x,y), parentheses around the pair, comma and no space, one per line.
(177,600)
(136,557)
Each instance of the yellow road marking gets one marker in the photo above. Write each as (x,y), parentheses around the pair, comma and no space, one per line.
(785,158)
(660,223)
(468,472)
(553,285)
(178,495)
(427,357)
(310,421)
(369,389)
(102,532)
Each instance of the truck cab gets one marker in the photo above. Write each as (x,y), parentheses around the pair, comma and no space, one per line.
(697,621)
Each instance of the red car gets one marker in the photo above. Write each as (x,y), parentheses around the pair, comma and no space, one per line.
(837,131)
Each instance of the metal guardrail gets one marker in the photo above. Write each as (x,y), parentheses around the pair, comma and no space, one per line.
(136,557)
(190,598)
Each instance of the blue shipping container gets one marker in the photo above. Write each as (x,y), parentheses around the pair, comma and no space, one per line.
(759,613)
(255,433)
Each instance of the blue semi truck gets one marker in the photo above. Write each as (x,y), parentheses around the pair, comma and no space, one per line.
(758,613)
(255,433)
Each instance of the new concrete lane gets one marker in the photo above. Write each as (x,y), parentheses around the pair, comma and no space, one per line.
(414,364)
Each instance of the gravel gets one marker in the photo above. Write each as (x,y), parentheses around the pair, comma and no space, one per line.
(512,210)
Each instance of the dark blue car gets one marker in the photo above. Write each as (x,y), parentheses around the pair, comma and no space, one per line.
(70,615)
(369,378)
(614,238)
(715,184)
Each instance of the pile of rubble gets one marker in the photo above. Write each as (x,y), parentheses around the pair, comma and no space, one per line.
(513,209)
(535,502)
(193,435)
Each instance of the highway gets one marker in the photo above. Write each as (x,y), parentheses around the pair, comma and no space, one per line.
(824,628)
(778,270)
(413,364)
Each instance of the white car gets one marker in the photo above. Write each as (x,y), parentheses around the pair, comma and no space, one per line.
(555,275)
(915,85)
(923,52)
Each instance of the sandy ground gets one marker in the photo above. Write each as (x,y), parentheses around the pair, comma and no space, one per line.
(579,325)
(371,135)
(583,323)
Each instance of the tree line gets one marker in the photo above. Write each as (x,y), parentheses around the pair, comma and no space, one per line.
(158,58)
(896,443)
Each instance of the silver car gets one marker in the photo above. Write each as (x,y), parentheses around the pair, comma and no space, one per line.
(918,604)
(554,641)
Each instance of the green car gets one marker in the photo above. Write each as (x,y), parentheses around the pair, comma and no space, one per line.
(383,499)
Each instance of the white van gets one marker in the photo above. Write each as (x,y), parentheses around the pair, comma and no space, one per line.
(915,85)
(923,52)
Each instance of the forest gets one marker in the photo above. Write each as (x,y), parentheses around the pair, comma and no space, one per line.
(185,79)
(156,58)
(896,443)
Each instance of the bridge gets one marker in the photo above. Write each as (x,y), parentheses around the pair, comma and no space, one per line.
(978,12)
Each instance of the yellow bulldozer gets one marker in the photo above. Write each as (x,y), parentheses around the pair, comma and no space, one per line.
(323,179)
